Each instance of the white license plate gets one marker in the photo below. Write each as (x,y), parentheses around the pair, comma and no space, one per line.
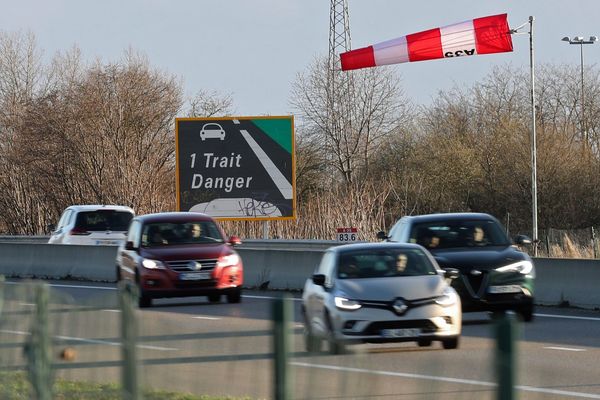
(400,333)
(505,289)
(196,276)
(108,242)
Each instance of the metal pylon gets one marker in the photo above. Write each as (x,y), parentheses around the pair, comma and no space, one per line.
(339,32)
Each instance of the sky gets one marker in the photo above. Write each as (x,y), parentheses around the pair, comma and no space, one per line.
(254,49)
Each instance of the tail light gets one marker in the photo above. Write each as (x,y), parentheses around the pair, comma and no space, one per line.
(79,232)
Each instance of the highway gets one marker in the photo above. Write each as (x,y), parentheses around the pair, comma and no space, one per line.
(190,345)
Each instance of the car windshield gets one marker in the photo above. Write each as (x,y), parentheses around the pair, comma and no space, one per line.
(380,263)
(103,220)
(455,234)
(170,233)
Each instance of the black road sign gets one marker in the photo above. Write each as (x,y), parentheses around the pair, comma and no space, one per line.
(236,168)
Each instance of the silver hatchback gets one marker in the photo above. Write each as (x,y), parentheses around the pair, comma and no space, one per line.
(377,293)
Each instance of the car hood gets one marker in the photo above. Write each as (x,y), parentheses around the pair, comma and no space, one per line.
(187,252)
(385,289)
(482,258)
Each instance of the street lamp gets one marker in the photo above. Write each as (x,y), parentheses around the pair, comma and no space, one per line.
(580,41)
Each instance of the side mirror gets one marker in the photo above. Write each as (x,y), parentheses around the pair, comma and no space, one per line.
(451,273)
(129,245)
(51,227)
(522,239)
(318,279)
(234,241)
(381,235)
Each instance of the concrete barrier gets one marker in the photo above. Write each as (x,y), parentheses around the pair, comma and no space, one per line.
(277,264)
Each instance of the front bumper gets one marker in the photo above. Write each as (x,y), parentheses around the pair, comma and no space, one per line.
(369,325)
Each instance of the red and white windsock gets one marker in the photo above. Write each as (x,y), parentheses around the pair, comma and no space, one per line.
(484,35)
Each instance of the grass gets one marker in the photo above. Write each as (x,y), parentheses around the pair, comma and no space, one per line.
(15,386)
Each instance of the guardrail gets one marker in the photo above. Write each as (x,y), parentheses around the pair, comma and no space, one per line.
(274,264)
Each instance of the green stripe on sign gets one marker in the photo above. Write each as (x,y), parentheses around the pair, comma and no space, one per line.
(280,130)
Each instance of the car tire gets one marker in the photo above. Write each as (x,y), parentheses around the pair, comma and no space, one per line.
(234,296)
(214,298)
(144,301)
(451,343)
(424,342)
(334,346)
(526,313)
(312,344)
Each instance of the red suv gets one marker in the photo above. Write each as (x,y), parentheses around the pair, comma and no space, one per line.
(179,254)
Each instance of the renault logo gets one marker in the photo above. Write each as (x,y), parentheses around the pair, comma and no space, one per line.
(194,266)
(476,272)
(400,306)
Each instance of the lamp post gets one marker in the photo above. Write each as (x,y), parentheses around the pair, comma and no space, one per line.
(580,41)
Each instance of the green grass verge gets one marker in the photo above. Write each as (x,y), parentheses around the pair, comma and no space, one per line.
(15,386)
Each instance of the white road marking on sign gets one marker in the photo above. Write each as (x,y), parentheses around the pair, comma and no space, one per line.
(446,379)
(92,341)
(282,184)
(563,348)
(235,121)
(209,318)
(567,317)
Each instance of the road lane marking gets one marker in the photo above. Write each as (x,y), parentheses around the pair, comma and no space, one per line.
(236,122)
(446,379)
(27,304)
(564,348)
(282,184)
(269,297)
(567,317)
(208,318)
(92,341)
(110,310)
(70,286)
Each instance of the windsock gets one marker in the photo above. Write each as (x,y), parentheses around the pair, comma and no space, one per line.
(484,35)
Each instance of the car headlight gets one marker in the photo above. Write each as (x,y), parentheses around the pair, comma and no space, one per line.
(152,264)
(346,304)
(447,298)
(524,267)
(228,261)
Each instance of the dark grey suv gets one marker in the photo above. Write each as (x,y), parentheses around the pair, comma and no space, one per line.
(494,274)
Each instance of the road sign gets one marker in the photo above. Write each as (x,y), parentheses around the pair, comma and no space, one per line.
(238,168)
(347,235)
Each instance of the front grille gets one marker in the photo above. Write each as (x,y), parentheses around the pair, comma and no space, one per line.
(375,328)
(187,265)
(475,281)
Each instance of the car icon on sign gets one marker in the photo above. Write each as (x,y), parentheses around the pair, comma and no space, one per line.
(212,131)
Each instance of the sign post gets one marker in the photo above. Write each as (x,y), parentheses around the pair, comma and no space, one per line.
(238,168)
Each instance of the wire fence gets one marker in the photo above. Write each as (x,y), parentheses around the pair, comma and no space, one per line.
(54,345)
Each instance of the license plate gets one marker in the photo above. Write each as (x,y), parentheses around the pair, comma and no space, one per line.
(400,333)
(505,289)
(108,242)
(197,276)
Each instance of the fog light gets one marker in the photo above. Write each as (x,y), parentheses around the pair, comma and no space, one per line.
(527,292)
(349,324)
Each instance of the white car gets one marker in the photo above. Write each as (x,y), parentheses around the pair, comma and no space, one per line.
(377,293)
(92,225)
(212,131)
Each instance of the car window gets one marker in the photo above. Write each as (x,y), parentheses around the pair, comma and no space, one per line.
(64,219)
(103,220)
(132,235)
(371,263)
(171,233)
(455,234)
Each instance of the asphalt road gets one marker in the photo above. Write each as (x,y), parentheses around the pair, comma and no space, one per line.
(192,346)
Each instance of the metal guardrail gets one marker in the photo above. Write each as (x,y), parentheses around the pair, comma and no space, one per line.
(274,264)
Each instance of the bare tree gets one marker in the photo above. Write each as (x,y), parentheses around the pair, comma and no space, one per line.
(210,104)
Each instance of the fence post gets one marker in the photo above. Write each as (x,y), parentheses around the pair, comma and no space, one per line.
(129,377)
(282,315)
(505,332)
(37,347)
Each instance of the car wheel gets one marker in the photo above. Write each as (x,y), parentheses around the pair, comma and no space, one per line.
(526,313)
(335,346)
(214,298)
(144,301)
(234,296)
(424,342)
(451,343)
(311,342)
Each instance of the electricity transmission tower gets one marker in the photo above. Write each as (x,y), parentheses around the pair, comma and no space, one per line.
(337,84)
